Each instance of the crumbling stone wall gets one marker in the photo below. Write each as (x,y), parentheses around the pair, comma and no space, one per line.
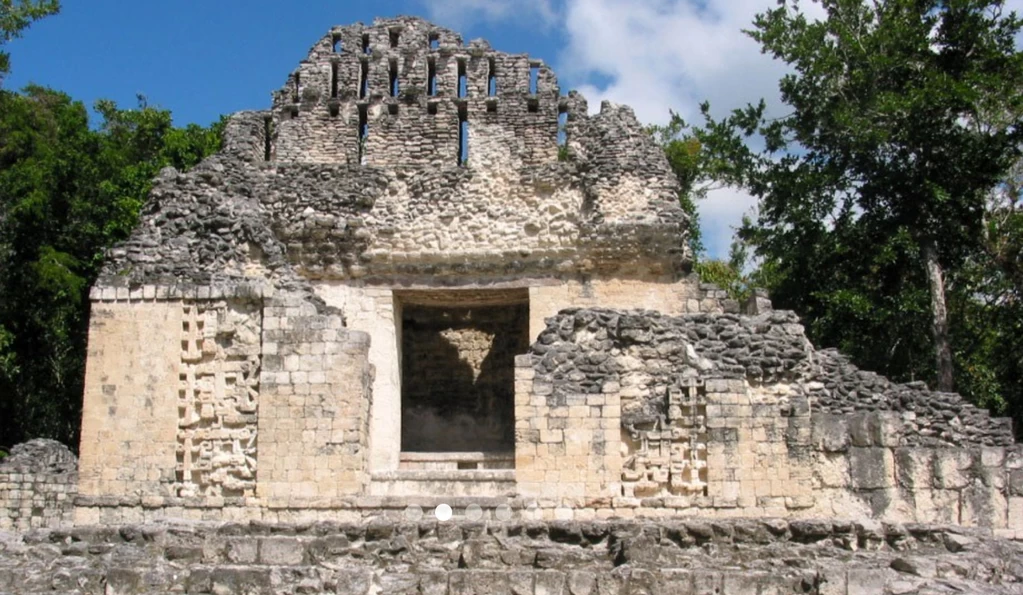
(316,395)
(864,463)
(407,208)
(38,483)
(351,73)
(680,557)
(624,411)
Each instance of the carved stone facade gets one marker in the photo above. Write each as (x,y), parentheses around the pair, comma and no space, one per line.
(218,399)
(426,275)
(668,453)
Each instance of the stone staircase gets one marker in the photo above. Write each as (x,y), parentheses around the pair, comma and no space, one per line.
(676,557)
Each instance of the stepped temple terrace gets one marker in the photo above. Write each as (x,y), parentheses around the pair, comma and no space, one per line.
(427,275)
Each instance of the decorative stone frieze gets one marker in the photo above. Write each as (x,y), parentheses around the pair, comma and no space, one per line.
(218,399)
(426,276)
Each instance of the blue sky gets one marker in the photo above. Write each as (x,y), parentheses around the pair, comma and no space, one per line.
(204,58)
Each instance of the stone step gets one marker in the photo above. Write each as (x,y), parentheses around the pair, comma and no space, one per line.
(731,557)
(438,482)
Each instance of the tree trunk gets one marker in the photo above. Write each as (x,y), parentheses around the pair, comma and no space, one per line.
(939,312)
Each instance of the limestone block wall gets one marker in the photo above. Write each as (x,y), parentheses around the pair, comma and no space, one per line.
(130,416)
(623,413)
(38,483)
(464,557)
(247,136)
(663,294)
(220,398)
(862,465)
(720,447)
(373,311)
(315,405)
(567,448)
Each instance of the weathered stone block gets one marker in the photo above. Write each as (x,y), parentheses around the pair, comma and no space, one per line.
(581,582)
(1016,482)
(951,468)
(865,582)
(983,506)
(915,565)
(706,582)
(871,468)
(399,583)
(760,583)
(874,429)
(281,551)
(1015,514)
(242,580)
(830,432)
(430,583)
(360,581)
(242,550)
(478,582)
(549,582)
(831,581)
(915,467)
(831,470)
(123,581)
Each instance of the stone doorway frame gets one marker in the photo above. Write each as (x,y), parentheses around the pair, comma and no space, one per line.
(450,298)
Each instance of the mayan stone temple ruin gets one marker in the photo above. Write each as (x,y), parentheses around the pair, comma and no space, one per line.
(427,277)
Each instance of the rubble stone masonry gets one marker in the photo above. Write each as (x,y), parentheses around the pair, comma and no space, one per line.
(425,275)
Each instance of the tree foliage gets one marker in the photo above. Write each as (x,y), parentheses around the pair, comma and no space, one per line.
(904,119)
(67,192)
(15,17)
(700,166)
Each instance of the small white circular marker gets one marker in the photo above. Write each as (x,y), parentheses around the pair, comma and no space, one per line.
(503,513)
(473,512)
(443,512)
(413,513)
(532,511)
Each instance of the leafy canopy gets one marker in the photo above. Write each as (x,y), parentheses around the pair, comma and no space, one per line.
(15,17)
(67,192)
(901,119)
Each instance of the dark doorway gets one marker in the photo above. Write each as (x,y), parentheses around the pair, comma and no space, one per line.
(458,374)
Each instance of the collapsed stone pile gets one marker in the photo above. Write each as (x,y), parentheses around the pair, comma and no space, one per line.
(583,350)
(728,557)
(40,455)
(38,482)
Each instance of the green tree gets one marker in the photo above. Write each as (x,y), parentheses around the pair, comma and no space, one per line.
(688,162)
(700,165)
(15,16)
(67,192)
(986,305)
(873,187)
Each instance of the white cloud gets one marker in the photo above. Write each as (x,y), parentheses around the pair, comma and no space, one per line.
(720,214)
(669,54)
(661,55)
(460,13)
